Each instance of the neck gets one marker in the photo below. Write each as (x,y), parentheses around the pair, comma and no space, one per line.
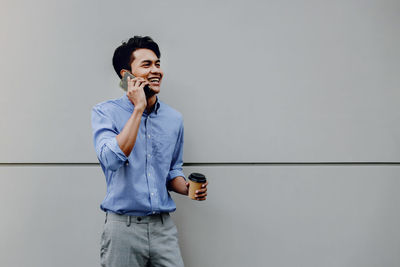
(150,103)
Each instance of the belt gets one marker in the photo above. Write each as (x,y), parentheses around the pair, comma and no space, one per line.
(135,219)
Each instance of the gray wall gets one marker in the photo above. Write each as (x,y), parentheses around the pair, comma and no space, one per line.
(294,86)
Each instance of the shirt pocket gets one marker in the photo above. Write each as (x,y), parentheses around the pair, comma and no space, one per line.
(163,147)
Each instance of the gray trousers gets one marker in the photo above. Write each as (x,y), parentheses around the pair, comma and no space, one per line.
(139,241)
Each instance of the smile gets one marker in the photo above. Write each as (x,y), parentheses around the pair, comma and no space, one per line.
(154,80)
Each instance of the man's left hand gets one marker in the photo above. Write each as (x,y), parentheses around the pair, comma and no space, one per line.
(200,194)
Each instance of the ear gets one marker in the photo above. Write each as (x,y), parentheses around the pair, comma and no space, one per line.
(122,72)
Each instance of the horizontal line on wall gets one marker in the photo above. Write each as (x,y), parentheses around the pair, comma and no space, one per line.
(188,164)
(287,163)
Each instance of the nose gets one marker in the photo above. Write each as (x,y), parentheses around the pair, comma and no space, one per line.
(155,69)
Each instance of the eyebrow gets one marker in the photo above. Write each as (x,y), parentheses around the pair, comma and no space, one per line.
(149,61)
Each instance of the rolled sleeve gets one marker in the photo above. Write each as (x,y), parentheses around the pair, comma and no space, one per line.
(107,149)
(114,147)
(175,173)
(177,159)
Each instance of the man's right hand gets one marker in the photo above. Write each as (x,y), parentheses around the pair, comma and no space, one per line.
(127,137)
(136,93)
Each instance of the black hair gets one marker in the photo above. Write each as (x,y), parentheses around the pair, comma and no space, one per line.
(123,55)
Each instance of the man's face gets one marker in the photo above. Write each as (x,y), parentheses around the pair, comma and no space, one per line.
(147,65)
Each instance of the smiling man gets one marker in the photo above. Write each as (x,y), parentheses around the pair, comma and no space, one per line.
(139,144)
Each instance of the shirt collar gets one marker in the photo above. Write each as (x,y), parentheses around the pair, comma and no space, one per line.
(129,106)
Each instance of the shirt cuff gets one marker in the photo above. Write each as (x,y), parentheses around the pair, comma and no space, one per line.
(175,173)
(114,147)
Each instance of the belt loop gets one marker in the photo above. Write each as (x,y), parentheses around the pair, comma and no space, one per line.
(162,220)
(128,221)
(105,221)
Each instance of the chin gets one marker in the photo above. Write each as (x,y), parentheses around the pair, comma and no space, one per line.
(156,90)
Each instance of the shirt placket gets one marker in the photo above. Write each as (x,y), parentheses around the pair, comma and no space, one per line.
(151,179)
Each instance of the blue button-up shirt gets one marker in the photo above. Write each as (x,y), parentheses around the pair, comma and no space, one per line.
(137,184)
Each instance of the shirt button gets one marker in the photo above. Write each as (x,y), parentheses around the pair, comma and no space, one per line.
(154,212)
(152,194)
(148,155)
(148,136)
(127,163)
(149,174)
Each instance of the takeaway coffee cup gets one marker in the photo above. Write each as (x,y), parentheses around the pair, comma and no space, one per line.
(196,180)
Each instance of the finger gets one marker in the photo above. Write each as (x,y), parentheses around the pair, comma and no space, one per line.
(136,82)
(201,191)
(143,84)
(131,82)
(139,79)
(200,195)
(205,184)
(140,83)
(201,199)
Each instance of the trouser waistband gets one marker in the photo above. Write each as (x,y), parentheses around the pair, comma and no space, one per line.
(136,219)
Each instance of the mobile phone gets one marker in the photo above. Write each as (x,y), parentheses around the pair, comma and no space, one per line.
(124,85)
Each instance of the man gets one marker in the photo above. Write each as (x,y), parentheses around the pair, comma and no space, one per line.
(139,144)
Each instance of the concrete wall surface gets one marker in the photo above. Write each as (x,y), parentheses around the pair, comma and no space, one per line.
(291,109)
(258,216)
(294,81)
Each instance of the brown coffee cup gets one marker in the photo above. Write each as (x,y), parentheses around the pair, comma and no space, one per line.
(196,180)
